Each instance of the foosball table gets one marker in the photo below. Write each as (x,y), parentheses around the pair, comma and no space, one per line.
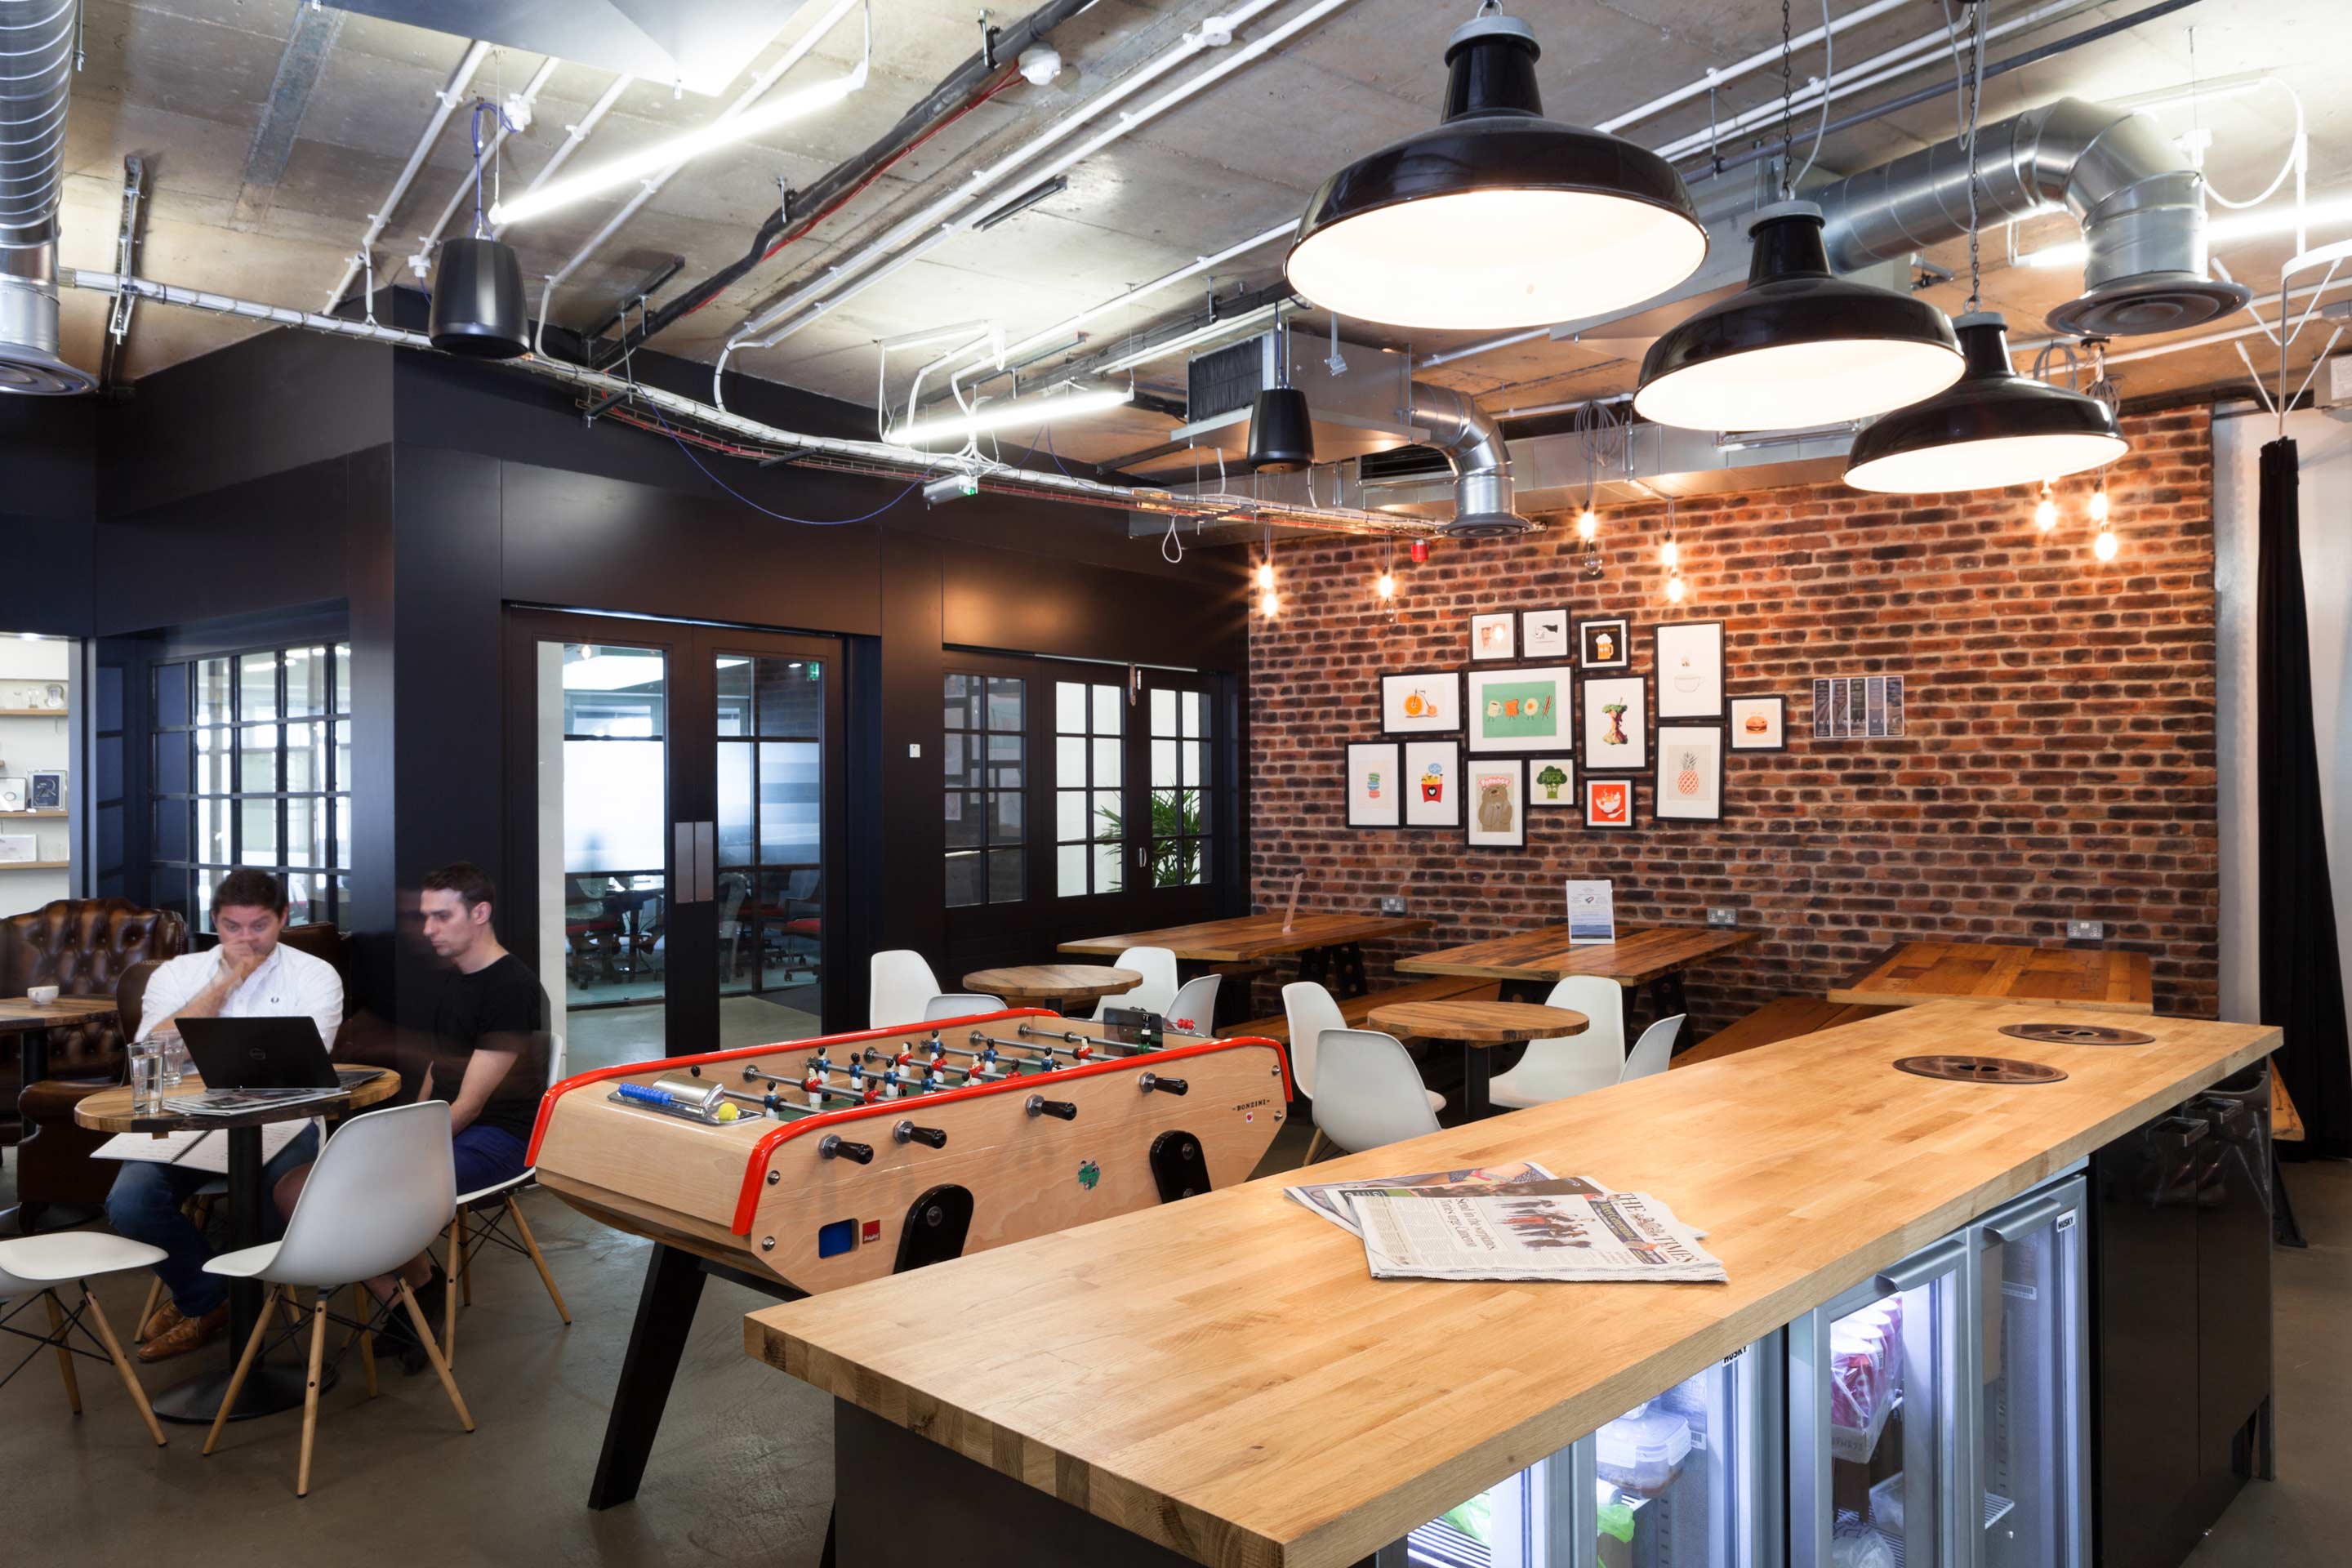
(810,1166)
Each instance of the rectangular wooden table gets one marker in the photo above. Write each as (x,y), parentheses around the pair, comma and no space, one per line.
(1916,972)
(1530,963)
(1328,945)
(1221,1382)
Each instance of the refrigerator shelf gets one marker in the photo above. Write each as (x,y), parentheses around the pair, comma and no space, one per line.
(1996,1508)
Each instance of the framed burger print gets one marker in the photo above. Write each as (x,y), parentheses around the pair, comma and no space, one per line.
(1614,723)
(1523,709)
(1432,779)
(1422,702)
(1604,642)
(1543,633)
(1688,660)
(1760,723)
(1690,774)
(1609,804)
(1494,635)
(1551,781)
(1375,797)
(1496,801)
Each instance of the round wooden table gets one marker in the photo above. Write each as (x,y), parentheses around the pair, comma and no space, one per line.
(31,1022)
(1479,1026)
(1054,985)
(268,1389)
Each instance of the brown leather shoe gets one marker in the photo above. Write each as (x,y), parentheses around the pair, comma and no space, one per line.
(187,1335)
(167,1317)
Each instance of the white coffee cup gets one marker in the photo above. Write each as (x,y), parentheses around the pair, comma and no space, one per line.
(41,996)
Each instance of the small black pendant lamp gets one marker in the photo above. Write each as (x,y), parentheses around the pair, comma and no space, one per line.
(1281,435)
(477,307)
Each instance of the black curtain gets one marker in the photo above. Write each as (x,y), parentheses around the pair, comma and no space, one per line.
(2302,976)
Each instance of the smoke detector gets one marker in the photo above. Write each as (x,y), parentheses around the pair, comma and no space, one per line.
(1040,63)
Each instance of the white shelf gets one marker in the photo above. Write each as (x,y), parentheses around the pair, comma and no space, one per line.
(36,864)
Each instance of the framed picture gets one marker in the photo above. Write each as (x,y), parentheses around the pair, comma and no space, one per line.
(1689,786)
(12,796)
(1543,633)
(1609,804)
(1422,702)
(1551,781)
(1497,797)
(1760,723)
(1523,709)
(1615,722)
(1493,635)
(1604,642)
(48,791)
(1689,669)
(1373,795)
(1432,778)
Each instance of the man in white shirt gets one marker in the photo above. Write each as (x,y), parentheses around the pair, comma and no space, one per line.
(249,975)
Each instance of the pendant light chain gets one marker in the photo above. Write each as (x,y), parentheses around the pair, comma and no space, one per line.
(1787,112)
(1974,109)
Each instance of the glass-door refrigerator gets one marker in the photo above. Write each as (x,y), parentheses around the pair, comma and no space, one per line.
(1691,1479)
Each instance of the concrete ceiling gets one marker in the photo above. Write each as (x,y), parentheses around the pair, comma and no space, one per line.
(189,86)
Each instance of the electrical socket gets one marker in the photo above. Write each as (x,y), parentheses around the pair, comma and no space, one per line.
(2086,931)
(1722,917)
(1390,904)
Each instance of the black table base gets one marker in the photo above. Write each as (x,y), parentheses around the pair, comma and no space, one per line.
(270,1389)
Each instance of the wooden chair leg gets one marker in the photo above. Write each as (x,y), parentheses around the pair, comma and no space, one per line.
(121,1364)
(530,1243)
(261,1321)
(433,1354)
(311,1391)
(1316,1145)
(364,1308)
(449,1293)
(155,1296)
(465,1259)
(65,1350)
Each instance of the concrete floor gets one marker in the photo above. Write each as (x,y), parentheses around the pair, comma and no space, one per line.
(743,1470)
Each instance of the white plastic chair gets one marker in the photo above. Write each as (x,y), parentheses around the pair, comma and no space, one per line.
(1196,1000)
(1158,992)
(1370,1093)
(1312,1013)
(1654,1050)
(481,1221)
(1570,1064)
(32,1268)
(383,1189)
(901,986)
(960,1005)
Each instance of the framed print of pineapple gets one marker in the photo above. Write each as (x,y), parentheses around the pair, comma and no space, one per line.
(1615,714)
(1690,774)
(1551,781)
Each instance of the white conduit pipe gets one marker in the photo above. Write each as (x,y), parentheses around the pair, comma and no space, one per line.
(939,221)
(448,99)
(751,94)
(574,135)
(1722,74)
(530,95)
(906,459)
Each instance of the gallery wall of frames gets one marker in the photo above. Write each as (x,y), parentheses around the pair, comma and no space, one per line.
(1865,720)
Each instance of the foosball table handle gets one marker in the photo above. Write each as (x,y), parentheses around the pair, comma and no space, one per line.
(1040,1106)
(1151,1082)
(932,1137)
(834,1148)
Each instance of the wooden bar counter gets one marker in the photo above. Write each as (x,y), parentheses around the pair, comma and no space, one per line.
(1222,1379)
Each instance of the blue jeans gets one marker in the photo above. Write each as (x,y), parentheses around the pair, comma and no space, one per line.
(485,1156)
(144,1205)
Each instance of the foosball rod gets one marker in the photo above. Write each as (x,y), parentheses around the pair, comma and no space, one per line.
(1073,1038)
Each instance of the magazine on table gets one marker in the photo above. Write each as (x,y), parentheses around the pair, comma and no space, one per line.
(206,1151)
(1323,1200)
(237,1101)
(1520,1233)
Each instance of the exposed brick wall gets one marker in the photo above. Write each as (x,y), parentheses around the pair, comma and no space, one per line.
(2058,759)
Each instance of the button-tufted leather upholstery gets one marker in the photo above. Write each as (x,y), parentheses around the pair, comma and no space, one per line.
(83,947)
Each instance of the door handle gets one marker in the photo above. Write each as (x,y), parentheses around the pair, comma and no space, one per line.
(1938,1260)
(705,861)
(2011,1224)
(682,861)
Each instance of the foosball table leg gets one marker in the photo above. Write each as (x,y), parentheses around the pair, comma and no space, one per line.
(665,1316)
(1178,1167)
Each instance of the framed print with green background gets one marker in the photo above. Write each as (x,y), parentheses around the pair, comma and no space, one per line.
(1604,642)
(1688,664)
(1615,721)
(1496,801)
(1543,633)
(1493,634)
(1760,723)
(1432,783)
(1422,702)
(1551,781)
(1525,708)
(1373,794)
(1609,804)
(1690,774)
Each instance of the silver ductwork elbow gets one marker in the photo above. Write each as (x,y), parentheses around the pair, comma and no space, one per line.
(2136,197)
(1474,447)
(37,52)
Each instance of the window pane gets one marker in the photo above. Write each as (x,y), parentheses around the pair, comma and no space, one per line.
(213,704)
(171,830)
(1070,762)
(1196,713)
(790,698)
(1069,815)
(257,687)
(213,845)
(172,762)
(1004,761)
(1163,765)
(306,832)
(790,785)
(1103,821)
(1005,817)
(1106,713)
(734,805)
(734,695)
(257,758)
(615,805)
(1108,860)
(343,755)
(1005,694)
(301,900)
(172,695)
(962,703)
(261,826)
(343,832)
(966,822)
(1070,871)
(214,762)
(1069,707)
(965,874)
(1004,873)
(1191,763)
(343,678)
(960,760)
(1163,712)
(310,674)
(1108,755)
(306,757)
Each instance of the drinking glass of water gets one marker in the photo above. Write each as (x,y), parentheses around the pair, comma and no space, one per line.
(147,1078)
(176,1061)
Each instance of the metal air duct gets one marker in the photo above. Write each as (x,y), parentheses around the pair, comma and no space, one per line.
(2135,196)
(37,49)
(1473,443)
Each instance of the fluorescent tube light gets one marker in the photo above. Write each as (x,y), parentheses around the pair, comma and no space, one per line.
(651,161)
(2220,230)
(1007,416)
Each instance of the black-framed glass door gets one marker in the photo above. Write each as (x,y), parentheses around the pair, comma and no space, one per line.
(675,798)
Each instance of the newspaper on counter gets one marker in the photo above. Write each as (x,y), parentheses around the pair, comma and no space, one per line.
(1520,1233)
(1323,1200)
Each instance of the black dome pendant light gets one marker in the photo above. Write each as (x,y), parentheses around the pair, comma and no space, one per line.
(1496,218)
(1799,346)
(1994,427)
(477,308)
(1281,436)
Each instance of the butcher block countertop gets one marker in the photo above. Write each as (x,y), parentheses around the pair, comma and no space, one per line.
(1222,1376)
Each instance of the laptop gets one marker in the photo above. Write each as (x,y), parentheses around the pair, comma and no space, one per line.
(259,1052)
